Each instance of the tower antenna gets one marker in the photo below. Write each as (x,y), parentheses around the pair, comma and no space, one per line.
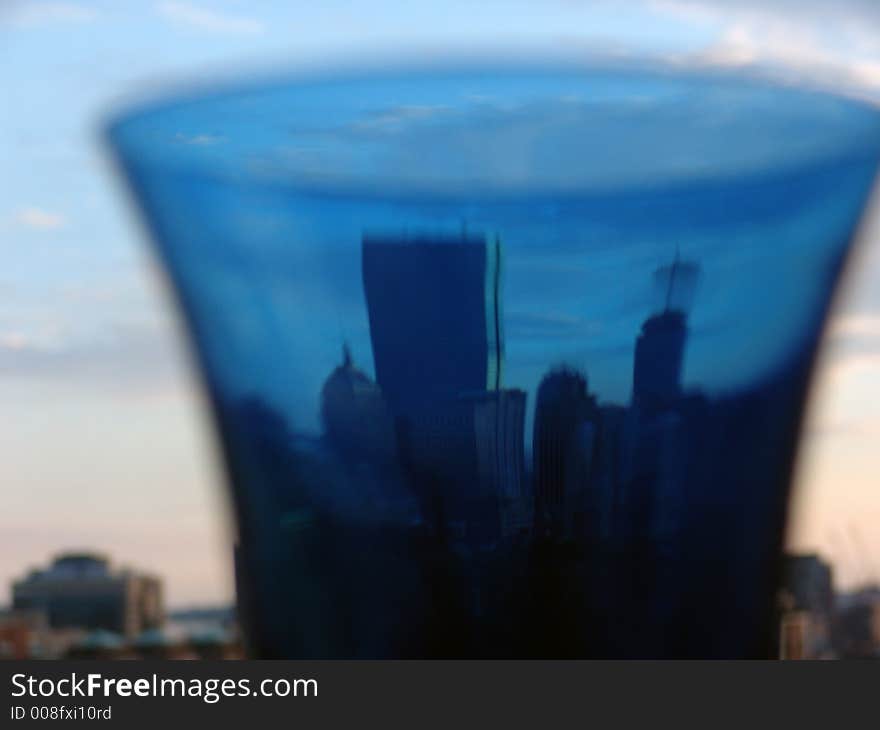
(672,272)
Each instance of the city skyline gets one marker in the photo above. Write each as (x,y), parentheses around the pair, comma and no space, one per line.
(618,510)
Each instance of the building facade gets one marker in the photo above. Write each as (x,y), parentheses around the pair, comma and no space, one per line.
(79,590)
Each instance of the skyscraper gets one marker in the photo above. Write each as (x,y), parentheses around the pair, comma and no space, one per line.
(658,361)
(652,497)
(564,439)
(435,324)
(660,346)
(435,321)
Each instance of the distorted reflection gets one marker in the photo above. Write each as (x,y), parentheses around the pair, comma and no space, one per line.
(423,523)
(506,362)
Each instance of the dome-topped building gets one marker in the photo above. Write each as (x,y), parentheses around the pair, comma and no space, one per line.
(356,418)
(80,590)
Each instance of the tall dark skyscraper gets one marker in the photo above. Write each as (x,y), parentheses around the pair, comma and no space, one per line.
(434,304)
(435,322)
(658,361)
(655,476)
(660,346)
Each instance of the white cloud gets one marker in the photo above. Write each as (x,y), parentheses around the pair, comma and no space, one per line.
(856,325)
(690,11)
(193,16)
(764,38)
(395,118)
(13,341)
(846,401)
(851,366)
(39,218)
(198,139)
(823,44)
(866,73)
(124,355)
(31,14)
(848,382)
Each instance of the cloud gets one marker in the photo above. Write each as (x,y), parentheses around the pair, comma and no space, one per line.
(827,44)
(13,341)
(852,365)
(847,397)
(853,344)
(851,361)
(856,325)
(842,427)
(394,118)
(766,39)
(198,139)
(128,356)
(33,14)
(709,10)
(193,16)
(39,218)
(845,404)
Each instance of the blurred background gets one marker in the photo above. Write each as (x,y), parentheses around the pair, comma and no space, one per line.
(108,460)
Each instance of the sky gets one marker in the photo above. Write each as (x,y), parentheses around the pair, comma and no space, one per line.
(105,442)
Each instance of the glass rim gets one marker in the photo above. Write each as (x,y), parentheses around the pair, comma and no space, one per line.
(116,130)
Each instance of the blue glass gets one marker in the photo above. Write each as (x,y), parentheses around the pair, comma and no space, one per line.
(505,362)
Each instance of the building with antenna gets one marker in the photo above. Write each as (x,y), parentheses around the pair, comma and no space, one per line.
(659,354)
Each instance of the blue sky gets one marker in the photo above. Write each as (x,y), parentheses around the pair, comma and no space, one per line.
(101,409)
